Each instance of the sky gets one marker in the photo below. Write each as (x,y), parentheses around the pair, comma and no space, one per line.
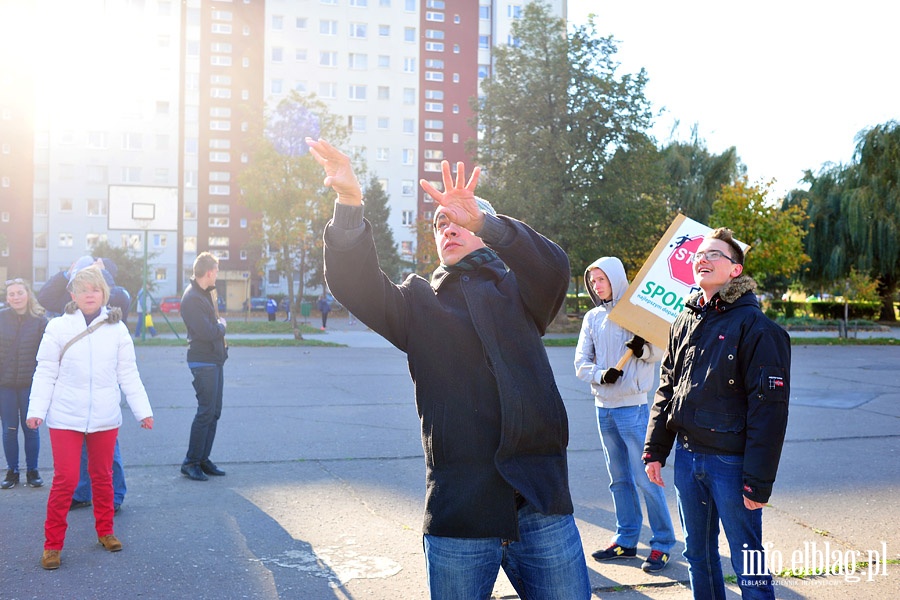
(789,83)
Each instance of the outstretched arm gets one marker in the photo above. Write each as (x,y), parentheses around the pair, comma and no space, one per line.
(338,172)
(458,198)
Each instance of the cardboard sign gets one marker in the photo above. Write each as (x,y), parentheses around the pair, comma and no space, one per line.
(657,294)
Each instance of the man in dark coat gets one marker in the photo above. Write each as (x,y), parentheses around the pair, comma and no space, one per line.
(723,401)
(494,428)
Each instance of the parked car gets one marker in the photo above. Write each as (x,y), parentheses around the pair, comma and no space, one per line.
(170,304)
(258,303)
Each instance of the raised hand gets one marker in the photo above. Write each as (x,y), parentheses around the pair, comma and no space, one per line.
(458,197)
(338,171)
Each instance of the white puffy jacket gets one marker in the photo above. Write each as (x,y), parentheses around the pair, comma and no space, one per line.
(81,392)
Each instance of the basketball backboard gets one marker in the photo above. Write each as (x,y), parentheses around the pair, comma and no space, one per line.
(143,207)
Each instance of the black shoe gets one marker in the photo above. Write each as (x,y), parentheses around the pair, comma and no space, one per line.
(34,478)
(193,471)
(615,551)
(12,478)
(116,507)
(657,561)
(210,468)
(79,504)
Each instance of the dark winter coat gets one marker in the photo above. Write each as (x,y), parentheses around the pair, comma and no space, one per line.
(20,337)
(206,335)
(492,418)
(724,385)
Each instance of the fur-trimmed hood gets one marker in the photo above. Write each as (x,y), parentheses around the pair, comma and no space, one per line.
(729,293)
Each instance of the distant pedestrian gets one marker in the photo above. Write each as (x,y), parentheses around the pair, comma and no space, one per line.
(271,308)
(324,306)
(22,325)
(286,307)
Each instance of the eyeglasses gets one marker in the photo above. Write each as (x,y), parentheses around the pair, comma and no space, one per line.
(17,280)
(712,256)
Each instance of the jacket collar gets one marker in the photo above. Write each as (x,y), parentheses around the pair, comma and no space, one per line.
(495,269)
(726,297)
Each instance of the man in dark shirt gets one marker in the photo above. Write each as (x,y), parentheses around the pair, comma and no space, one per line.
(206,357)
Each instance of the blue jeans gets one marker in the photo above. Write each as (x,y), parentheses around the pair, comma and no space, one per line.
(547,563)
(83,490)
(622,432)
(208,383)
(709,489)
(13,410)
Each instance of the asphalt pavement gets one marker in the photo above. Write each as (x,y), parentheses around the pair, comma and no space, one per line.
(325,481)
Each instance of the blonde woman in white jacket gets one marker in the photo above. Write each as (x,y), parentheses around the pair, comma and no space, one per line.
(86,356)
(620,398)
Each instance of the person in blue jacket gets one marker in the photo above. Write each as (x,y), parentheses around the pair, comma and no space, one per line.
(494,427)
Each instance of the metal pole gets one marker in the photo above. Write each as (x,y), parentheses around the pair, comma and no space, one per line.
(144,294)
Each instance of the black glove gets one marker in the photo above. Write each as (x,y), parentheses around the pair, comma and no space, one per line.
(610,375)
(637,346)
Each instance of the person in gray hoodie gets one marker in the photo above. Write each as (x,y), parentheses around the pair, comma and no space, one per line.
(620,398)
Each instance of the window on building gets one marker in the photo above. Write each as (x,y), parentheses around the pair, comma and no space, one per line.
(97,173)
(407,187)
(158,240)
(91,240)
(384,61)
(484,12)
(382,154)
(219,222)
(358,123)
(409,34)
(409,156)
(409,126)
(434,46)
(484,41)
(434,136)
(409,96)
(132,141)
(436,17)
(96,207)
(434,63)
(406,246)
(434,76)
(328,89)
(40,241)
(358,61)
(408,217)
(277,22)
(434,95)
(96,139)
(66,240)
(328,27)
(277,86)
(409,65)
(434,107)
(359,30)
(384,30)
(131,174)
(328,59)
(190,243)
(160,274)
(357,92)
(384,92)
(301,54)
(277,54)
(300,23)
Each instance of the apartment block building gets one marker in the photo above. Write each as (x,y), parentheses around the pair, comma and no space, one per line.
(159,94)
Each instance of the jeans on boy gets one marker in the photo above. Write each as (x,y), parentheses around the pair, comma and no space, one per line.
(13,408)
(708,487)
(622,432)
(83,490)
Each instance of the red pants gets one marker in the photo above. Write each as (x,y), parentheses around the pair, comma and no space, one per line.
(66,445)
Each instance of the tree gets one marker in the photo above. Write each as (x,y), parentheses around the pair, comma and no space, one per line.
(697,176)
(629,213)
(551,117)
(284,184)
(130,266)
(377,213)
(855,215)
(426,251)
(775,235)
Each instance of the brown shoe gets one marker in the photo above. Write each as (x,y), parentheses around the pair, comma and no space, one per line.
(50,559)
(110,542)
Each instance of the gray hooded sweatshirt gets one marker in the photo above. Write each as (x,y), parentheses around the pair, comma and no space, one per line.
(601,344)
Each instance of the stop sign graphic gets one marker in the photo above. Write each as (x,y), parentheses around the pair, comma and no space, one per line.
(681,260)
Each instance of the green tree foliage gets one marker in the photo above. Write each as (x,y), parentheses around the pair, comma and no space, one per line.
(855,215)
(553,113)
(775,235)
(377,213)
(284,184)
(629,212)
(129,265)
(697,176)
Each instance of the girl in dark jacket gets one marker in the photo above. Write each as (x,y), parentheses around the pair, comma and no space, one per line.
(21,328)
